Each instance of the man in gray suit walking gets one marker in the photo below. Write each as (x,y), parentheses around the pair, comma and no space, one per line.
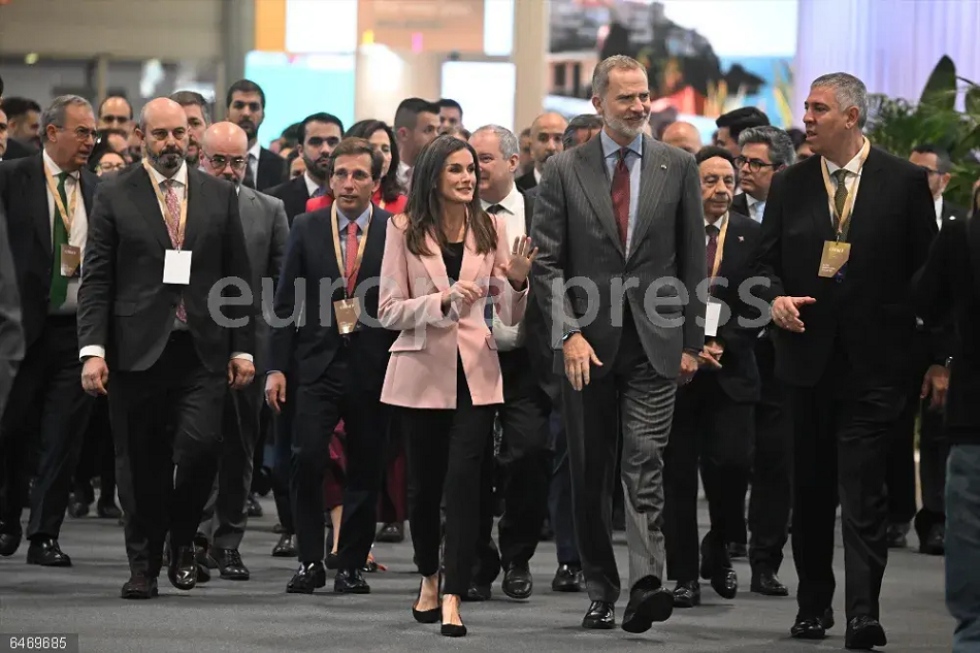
(621,234)
(225,155)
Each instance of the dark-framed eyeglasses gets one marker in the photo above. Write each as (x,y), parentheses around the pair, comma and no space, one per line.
(219,161)
(755,165)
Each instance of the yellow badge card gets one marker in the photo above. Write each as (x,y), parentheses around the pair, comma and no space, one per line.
(71,258)
(834,257)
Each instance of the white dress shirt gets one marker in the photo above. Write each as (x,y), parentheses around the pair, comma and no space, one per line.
(757,208)
(851,181)
(511,214)
(79,225)
(939,212)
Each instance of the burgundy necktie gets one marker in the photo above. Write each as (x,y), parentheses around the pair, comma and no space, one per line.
(621,196)
(173,228)
(712,251)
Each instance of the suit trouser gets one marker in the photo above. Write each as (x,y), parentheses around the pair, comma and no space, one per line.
(560,497)
(320,405)
(842,428)
(166,422)
(225,515)
(771,500)
(900,474)
(630,390)
(97,457)
(446,451)
(282,425)
(710,427)
(47,411)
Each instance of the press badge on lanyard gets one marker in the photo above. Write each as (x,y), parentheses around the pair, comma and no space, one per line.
(176,262)
(71,255)
(836,253)
(348,309)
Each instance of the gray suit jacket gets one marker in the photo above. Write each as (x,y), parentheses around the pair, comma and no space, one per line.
(266,232)
(11,333)
(575,231)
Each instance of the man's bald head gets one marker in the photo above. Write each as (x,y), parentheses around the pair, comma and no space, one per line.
(163,130)
(546,137)
(225,151)
(683,135)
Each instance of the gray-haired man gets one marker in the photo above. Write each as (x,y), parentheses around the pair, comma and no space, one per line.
(47,199)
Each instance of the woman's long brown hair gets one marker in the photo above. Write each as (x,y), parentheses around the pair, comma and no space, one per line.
(424,209)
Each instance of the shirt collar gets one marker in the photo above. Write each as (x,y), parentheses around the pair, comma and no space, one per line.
(509,203)
(362,220)
(939,206)
(180,177)
(751,201)
(720,222)
(53,167)
(611,148)
(255,150)
(311,185)
(853,166)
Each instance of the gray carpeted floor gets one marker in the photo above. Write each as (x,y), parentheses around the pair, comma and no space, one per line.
(259,616)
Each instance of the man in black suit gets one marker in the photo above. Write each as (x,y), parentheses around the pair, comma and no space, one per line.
(547,132)
(843,233)
(48,200)
(165,241)
(319,134)
(245,105)
(528,397)
(24,125)
(713,416)
(11,332)
(932,346)
(337,364)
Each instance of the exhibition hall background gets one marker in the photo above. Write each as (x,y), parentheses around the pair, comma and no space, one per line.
(503,60)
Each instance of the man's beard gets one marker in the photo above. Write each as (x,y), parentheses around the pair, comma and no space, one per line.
(251,131)
(169,159)
(625,128)
(193,157)
(317,168)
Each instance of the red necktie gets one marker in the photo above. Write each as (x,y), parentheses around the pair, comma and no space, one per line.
(621,196)
(351,256)
(712,251)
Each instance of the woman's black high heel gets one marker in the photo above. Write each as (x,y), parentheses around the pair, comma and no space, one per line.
(426,616)
(452,630)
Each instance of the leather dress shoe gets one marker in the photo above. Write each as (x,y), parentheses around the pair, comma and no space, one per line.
(518,583)
(77,509)
(765,582)
(310,576)
(646,606)
(812,627)
(9,543)
(391,533)
(183,568)
(230,564)
(568,578)
(934,542)
(107,510)
(896,536)
(285,547)
(140,587)
(863,634)
(687,595)
(350,581)
(477,592)
(46,552)
(601,616)
(716,566)
(253,507)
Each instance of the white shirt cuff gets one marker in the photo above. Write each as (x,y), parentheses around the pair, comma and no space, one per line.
(243,356)
(91,351)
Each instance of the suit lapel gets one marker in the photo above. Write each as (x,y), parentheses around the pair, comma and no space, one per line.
(434,264)
(733,251)
(653,175)
(820,203)
(146,201)
(868,187)
(37,194)
(590,168)
(196,213)
(472,260)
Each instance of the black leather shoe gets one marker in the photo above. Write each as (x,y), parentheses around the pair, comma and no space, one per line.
(310,576)
(863,634)
(716,566)
(568,578)
(230,564)
(140,587)
(350,581)
(518,583)
(286,547)
(766,582)
(601,616)
(252,506)
(896,536)
(46,552)
(77,509)
(687,595)
(934,542)
(647,606)
(333,561)
(391,533)
(9,543)
(477,592)
(107,510)
(183,568)
(812,627)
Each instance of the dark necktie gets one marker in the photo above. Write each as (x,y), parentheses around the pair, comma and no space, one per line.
(840,196)
(495,209)
(712,250)
(621,196)
(59,283)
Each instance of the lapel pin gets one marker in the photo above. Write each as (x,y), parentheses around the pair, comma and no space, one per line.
(663,166)
(741,239)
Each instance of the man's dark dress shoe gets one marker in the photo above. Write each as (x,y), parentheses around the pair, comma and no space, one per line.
(812,627)
(934,542)
(310,576)
(107,510)
(601,616)
(716,566)
(286,547)
(896,536)
(46,552)
(253,507)
(568,578)
(183,568)
(9,543)
(648,604)
(139,587)
(391,533)
(477,592)
(77,509)
(230,564)
(687,595)
(766,583)
(863,634)
(350,581)
(518,583)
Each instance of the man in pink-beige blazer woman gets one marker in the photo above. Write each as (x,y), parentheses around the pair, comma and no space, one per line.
(444,259)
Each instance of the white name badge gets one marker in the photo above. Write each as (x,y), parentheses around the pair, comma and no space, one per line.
(712,316)
(177,267)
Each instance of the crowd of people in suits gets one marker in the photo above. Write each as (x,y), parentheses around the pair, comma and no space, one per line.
(576,323)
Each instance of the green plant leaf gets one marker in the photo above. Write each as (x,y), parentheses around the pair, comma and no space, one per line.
(973,102)
(940,90)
